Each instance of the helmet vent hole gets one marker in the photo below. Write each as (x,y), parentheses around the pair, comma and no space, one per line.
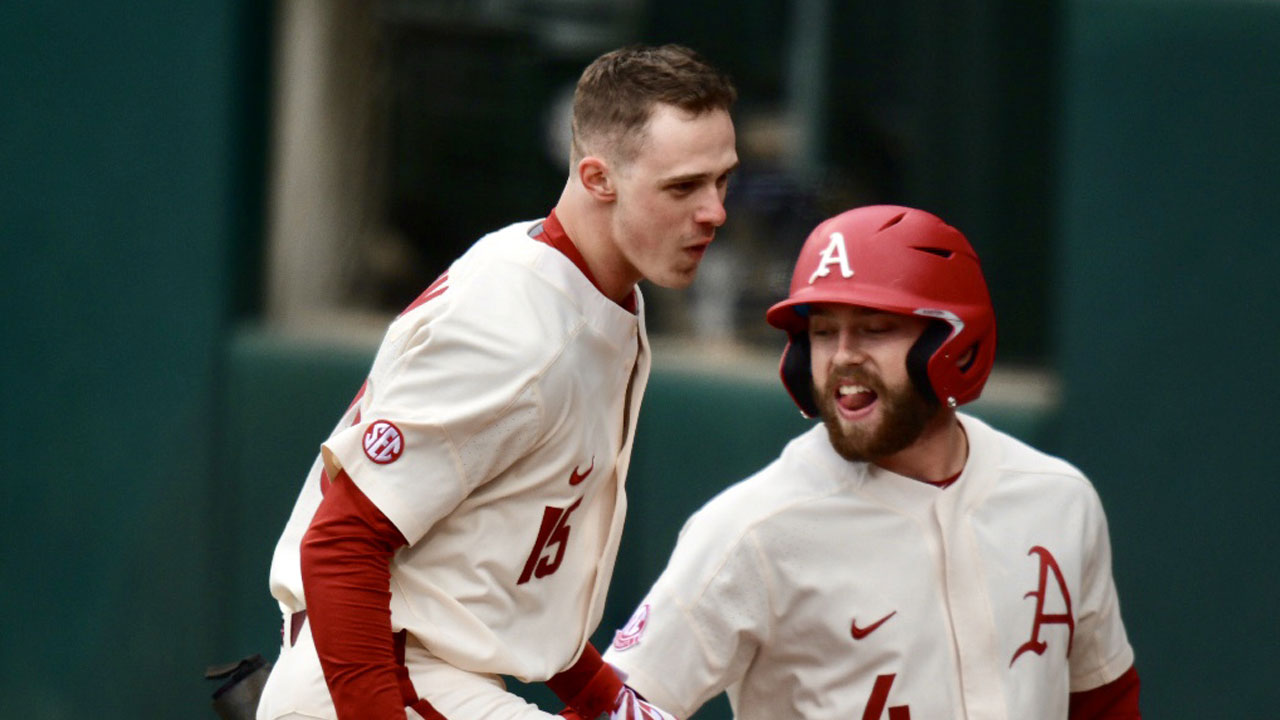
(940,252)
(892,221)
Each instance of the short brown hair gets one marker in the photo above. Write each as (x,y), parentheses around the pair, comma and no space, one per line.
(617,92)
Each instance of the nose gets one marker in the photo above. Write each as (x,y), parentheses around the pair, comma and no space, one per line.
(712,211)
(849,352)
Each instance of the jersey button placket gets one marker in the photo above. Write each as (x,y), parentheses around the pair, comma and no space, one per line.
(969,610)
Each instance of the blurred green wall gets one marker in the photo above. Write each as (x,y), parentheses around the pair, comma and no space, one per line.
(153,442)
(131,160)
(1167,335)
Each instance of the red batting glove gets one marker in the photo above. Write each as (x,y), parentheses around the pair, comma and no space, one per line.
(591,688)
(630,706)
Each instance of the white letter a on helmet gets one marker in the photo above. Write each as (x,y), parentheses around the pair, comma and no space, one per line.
(833,254)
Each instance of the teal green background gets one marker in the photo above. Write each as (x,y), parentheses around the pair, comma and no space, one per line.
(131,148)
(1166,332)
(154,435)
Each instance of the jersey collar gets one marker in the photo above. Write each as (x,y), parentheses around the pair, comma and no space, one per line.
(551,232)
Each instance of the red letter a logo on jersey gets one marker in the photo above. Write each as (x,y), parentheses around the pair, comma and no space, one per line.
(1035,644)
(383,442)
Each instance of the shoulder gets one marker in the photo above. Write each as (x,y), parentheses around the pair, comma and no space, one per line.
(496,298)
(504,275)
(1020,466)
(1014,453)
(798,478)
(725,552)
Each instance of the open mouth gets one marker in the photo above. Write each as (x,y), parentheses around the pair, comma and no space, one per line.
(697,251)
(855,400)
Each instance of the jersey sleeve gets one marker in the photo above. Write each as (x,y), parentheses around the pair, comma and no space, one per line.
(1100,651)
(1117,700)
(452,401)
(700,626)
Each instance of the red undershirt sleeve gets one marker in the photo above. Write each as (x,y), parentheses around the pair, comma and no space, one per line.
(1117,700)
(346,576)
(590,686)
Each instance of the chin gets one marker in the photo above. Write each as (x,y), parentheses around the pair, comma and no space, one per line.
(675,280)
(892,429)
(856,445)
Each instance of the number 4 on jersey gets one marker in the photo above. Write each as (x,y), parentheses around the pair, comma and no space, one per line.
(879,696)
(554,532)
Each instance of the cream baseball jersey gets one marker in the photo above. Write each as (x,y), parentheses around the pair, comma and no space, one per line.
(494,431)
(821,588)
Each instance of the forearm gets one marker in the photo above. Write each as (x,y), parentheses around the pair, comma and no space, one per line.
(346,556)
(590,686)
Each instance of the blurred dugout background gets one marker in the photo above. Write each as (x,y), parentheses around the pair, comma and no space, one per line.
(211,208)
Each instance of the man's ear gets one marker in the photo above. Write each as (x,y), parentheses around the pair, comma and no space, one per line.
(597,177)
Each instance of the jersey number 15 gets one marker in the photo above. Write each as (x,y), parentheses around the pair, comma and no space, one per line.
(553,533)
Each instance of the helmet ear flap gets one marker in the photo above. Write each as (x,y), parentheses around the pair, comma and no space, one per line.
(934,334)
(797,374)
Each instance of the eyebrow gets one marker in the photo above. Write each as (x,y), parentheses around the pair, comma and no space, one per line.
(694,177)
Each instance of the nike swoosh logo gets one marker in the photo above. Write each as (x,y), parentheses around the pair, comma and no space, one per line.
(576,477)
(859,633)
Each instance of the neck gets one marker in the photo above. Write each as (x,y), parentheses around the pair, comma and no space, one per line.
(939,453)
(587,223)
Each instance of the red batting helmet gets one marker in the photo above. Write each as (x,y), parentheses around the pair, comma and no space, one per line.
(903,261)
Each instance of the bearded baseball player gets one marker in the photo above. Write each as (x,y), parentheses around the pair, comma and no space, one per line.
(462,520)
(901,559)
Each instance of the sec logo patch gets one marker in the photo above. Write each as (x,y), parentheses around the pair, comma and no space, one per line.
(629,636)
(383,442)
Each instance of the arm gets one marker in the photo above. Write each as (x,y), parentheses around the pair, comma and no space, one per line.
(346,555)
(1103,674)
(591,687)
(1117,700)
(681,647)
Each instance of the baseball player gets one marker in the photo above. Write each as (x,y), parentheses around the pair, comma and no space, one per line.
(462,520)
(900,560)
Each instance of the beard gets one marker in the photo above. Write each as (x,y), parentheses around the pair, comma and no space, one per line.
(904,414)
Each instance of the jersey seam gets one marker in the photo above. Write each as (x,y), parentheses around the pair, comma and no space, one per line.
(528,387)
(532,388)
(767,578)
(694,626)
(1098,662)
(537,271)
(1107,671)
(750,528)
(756,522)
